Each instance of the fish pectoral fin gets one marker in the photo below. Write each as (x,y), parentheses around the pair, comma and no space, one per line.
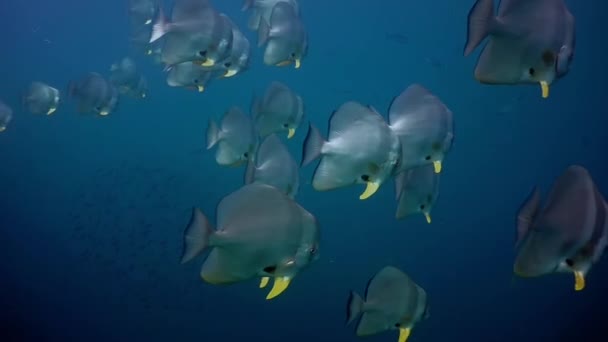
(264,282)
(370,189)
(291,133)
(579,280)
(428,218)
(280,285)
(404,333)
(298,63)
(438,166)
(545,88)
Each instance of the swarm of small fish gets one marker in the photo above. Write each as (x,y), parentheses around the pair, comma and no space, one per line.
(199,44)
(280,29)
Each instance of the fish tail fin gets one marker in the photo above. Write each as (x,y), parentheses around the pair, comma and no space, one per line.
(250,172)
(354,307)
(160,27)
(247,5)
(312,145)
(213,134)
(263,32)
(481,19)
(196,236)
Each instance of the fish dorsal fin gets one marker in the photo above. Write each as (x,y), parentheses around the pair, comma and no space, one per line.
(571,209)
(407,103)
(526,214)
(246,197)
(190,9)
(350,113)
(283,13)
(508,6)
(417,111)
(271,148)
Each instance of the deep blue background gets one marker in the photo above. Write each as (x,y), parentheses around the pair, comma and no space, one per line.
(92,209)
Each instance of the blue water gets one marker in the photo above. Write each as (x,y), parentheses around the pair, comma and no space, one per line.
(92,209)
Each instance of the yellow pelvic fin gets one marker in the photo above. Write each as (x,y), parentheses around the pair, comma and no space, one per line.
(437,164)
(2,128)
(149,52)
(280,285)
(148,22)
(545,87)
(208,62)
(143,96)
(200,88)
(370,189)
(428,218)
(104,112)
(404,333)
(264,282)
(51,110)
(291,133)
(230,73)
(298,63)
(579,280)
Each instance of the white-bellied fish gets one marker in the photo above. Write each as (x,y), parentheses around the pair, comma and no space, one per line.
(197,32)
(531,41)
(568,234)
(284,35)
(41,98)
(274,166)
(236,138)
(6,116)
(417,190)
(262,10)
(393,301)
(424,126)
(361,149)
(280,110)
(260,233)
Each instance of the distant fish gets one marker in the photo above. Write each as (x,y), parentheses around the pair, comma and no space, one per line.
(6,115)
(284,36)
(279,110)
(94,94)
(261,10)
(397,37)
(235,137)
(417,190)
(40,98)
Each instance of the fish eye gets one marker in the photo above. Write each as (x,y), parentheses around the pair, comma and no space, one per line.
(365,178)
(195,81)
(246,154)
(531,71)
(293,55)
(227,64)
(285,125)
(397,325)
(270,269)
(569,262)
(422,206)
(427,158)
(202,53)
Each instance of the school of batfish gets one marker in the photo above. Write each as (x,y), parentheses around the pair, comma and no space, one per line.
(261,231)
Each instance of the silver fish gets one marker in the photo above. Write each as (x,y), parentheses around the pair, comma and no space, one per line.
(6,116)
(40,98)
(260,231)
(280,110)
(94,94)
(197,32)
(361,149)
(190,76)
(125,77)
(417,191)
(566,235)
(238,60)
(393,301)
(424,126)
(274,166)
(262,10)
(236,138)
(285,36)
(531,41)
